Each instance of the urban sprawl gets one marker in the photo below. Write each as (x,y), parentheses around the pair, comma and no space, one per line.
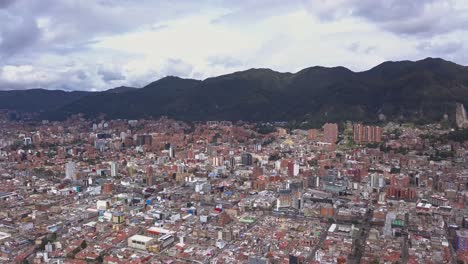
(166,191)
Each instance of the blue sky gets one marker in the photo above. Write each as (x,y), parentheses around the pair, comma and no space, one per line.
(100,44)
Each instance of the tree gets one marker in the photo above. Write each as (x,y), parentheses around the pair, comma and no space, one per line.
(83,244)
(53,237)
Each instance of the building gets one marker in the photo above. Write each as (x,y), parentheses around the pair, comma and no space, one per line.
(293,169)
(284,199)
(107,188)
(140,242)
(114,169)
(438,200)
(461,241)
(247,159)
(330,133)
(144,140)
(399,188)
(313,134)
(70,170)
(367,134)
(171,152)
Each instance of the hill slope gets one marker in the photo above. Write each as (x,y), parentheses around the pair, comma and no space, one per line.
(37,100)
(415,91)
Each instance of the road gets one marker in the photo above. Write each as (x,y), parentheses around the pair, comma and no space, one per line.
(404,249)
(360,242)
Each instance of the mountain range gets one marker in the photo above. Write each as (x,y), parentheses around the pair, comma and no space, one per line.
(418,91)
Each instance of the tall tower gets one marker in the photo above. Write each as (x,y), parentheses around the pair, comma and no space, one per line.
(70,170)
(114,169)
(171,152)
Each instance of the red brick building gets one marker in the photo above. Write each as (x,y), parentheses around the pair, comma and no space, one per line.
(330,133)
(367,134)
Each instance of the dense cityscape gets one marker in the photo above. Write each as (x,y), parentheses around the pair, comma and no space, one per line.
(233,132)
(165,191)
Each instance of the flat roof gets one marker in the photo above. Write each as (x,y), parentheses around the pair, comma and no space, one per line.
(141,238)
(4,235)
(159,230)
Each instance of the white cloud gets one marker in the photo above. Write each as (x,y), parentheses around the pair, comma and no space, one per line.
(97,45)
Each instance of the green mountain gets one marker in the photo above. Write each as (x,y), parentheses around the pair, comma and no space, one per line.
(37,100)
(420,91)
(120,89)
(154,100)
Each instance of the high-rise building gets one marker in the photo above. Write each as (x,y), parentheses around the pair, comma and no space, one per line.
(149,176)
(114,169)
(399,188)
(313,134)
(247,159)
(461,240)
(107,188)
(367,134)
(330,133)
(70,170)
(293,169)
(171,152)
(144,140)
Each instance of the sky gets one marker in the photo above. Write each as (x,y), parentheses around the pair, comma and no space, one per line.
(100,44)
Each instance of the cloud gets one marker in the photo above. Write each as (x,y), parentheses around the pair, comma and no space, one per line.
(224,61)
(28,76)
(247,12)
(5,3)
(356,47)
(97,45)
(109,75)
(17,34)
(445,48)
(176,67)
(425,17)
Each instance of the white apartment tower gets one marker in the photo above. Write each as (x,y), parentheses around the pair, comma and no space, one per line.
(70,170)
(114,169)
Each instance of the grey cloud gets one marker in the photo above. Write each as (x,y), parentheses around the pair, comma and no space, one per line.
(5,3)
(108,75)
(422,17)
(81,75)
(442,49)
(389,10)
(18,34)
(71,22)
(31,30)
(77,78)
(357,47)
(176,67)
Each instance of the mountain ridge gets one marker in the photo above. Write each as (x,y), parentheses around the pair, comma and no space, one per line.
(420,91)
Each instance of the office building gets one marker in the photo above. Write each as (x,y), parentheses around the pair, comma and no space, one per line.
(70,170)
(367,134)
(330,133)
(247,159)
(114,169)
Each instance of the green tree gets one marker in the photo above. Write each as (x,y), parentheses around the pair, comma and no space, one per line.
(53,237)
